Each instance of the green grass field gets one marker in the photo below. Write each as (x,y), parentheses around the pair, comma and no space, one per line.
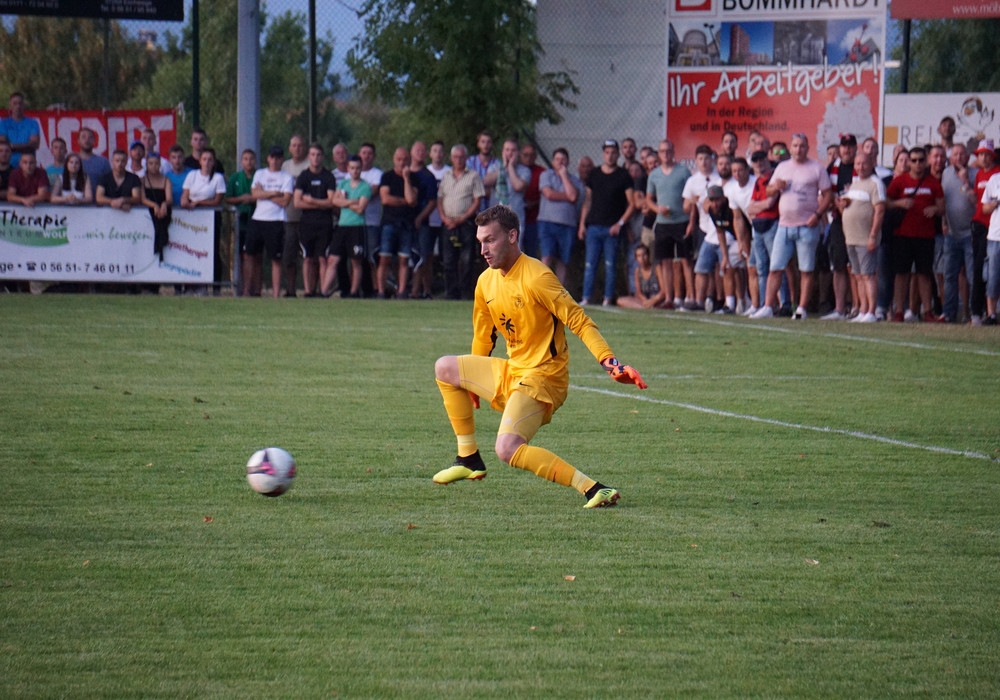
(809,509)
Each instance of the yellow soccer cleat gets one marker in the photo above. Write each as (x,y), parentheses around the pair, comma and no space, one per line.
(604,498)
(471,467)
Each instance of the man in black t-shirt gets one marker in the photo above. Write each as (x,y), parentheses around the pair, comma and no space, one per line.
(398,190)
(606,208)
(314,190)
(119,189)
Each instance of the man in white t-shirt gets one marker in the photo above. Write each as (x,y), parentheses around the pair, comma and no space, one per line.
(805,196)
(701,229)
(738,191)
(272,189)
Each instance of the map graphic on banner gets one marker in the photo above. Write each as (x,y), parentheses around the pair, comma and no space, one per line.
(733,65)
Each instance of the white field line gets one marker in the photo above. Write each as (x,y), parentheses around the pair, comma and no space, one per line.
(808,330)
(793,426)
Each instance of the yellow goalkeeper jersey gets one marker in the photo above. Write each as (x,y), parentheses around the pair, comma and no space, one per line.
(532,311)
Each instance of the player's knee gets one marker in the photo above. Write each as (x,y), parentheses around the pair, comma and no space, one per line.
(446,370)
(506,445)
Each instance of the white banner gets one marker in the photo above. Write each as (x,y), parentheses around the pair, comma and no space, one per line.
(98,244)
(913,119)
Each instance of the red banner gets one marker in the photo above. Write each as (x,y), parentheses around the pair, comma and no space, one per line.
(944,9)
(821,101)
(112,128)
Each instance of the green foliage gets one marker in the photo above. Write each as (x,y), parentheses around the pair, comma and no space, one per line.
(284,67)
(795,558)
(458,66)
(951,56)
(60,61)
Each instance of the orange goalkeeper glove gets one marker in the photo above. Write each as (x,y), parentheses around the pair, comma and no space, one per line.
(623,373)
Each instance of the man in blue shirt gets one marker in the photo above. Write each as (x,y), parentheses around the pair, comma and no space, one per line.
(22,132)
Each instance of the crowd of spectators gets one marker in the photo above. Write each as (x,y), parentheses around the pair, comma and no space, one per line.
(764,232)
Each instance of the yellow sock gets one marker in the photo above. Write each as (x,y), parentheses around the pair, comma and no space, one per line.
(550,466)
(458,406)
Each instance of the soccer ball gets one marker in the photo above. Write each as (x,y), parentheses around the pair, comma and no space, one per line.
(270,471)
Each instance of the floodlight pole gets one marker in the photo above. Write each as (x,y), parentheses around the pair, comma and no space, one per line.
(195,65)
(247,96)
(312,70)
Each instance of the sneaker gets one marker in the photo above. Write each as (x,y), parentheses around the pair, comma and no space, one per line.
(585,302)
(764,312)
(751,311)
(800,314)
(678,302)
(853,313)
(692,305)
(866,318)
(724,310)
(604,498)
(606,302)
(740,307)
(709,305)
(833,316)
(880,315)
(471,467)
(990,321)
(897,317)
(909,317)
(976,320)
(931,318)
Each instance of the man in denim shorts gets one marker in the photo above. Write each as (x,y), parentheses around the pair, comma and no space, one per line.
(805,195)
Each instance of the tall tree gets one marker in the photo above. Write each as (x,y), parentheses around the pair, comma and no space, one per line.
(952,56)
(284,81)
(457,66)
(60,61)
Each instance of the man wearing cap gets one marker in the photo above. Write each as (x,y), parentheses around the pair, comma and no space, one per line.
(608,204)
(980,227)
(805,195)
(718,248)
(136,159)
(833,247)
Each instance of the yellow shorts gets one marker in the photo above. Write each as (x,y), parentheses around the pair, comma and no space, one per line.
(492,379)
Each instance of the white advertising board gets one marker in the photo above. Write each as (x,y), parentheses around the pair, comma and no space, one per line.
(98,244)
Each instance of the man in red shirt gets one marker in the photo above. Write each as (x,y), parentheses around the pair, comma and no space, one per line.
(29,185)
(988,167)
(920,195)
(532,200)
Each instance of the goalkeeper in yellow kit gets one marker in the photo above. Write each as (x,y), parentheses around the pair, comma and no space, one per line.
(522,299)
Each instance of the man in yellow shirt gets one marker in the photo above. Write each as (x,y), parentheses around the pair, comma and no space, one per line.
(521,298)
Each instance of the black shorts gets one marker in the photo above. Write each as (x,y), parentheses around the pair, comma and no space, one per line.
(669,242)
(347,242)
(314,238)
(912,253)
(265,235)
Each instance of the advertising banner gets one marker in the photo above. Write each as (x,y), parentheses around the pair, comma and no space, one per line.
(913,119)
(99,244)
(112,9)
(944,9)
(776,66)
(112,128)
